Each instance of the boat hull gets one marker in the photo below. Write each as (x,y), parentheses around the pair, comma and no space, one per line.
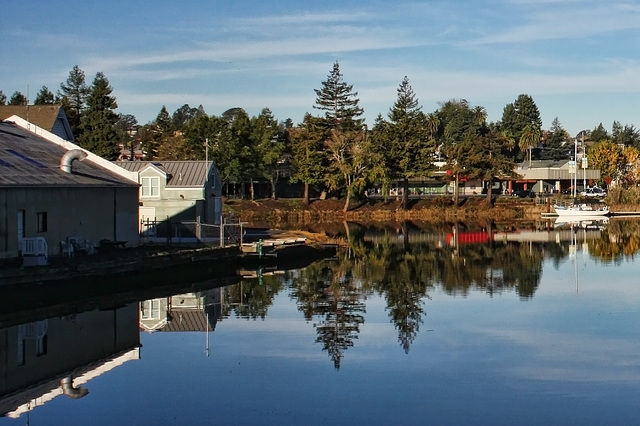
(581,211)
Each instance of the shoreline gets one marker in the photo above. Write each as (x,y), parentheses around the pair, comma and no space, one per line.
(289,213)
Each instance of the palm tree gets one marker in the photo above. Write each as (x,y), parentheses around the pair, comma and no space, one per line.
(530,137)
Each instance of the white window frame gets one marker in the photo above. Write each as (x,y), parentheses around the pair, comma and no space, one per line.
(150,187)
(150,309)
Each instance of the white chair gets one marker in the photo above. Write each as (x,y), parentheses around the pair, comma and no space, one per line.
(66,248)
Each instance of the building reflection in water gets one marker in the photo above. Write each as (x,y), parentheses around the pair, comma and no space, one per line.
(44,359)
(186,312)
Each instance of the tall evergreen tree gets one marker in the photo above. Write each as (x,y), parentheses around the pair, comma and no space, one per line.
(3,98)
(407,147)
(460,129)
(44,97)
(98,120)
(341,115)
(183,115)
(271,144)
(308,156)
(244,148)
(18,99)
(556,145)
(599,134)
(74,94)
(163,121)
(626,135)
(339,102)
(521,122)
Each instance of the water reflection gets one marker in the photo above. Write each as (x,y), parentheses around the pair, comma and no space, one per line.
(404,263)
(358,312)
(185,312)
(44,359)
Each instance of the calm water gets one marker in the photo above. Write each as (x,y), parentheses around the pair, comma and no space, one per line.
(408,326)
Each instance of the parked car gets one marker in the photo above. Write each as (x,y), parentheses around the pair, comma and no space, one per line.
(594,192)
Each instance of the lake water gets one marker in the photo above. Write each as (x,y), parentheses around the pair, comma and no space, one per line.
(459,325)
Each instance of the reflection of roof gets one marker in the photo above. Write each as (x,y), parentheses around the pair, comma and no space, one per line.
(26,400)
(180,173)
(27,159)
(193,319)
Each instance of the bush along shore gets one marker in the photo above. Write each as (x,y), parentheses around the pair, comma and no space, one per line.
(285,213)
(288,212)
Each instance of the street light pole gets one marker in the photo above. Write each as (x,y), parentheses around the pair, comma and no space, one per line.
(584,169)
(575,175)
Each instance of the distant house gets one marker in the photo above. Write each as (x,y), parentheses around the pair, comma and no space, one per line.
(51,118)
(177,190)
(553,176)
(51,190)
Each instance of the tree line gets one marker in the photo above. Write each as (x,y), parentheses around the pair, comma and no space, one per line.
(334,151)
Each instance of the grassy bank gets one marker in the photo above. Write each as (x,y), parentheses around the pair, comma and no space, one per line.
(288,212)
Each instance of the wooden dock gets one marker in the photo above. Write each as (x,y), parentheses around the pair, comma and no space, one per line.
(270,247)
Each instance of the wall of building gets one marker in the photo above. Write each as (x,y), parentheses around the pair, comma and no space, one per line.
(93,214)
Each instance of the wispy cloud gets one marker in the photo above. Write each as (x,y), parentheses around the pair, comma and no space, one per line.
(565,20)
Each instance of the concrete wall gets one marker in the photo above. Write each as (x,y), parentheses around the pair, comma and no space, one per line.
(90,213)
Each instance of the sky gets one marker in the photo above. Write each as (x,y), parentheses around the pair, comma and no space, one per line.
(578,59)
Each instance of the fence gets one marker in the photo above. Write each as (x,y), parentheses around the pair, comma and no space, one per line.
(228,233)
(35,251)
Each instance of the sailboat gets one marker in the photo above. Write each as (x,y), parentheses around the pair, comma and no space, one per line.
(581,210)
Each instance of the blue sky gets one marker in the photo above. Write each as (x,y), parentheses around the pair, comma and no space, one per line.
(578,59)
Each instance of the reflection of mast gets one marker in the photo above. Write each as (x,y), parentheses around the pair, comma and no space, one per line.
(573,250)
(206,339)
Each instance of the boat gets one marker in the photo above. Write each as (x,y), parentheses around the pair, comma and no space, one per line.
(581,210)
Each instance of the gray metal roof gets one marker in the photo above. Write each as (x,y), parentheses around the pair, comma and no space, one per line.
(29,160)
(179,173)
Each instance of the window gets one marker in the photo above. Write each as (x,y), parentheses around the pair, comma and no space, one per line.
(150,309)
(42,344)
(42,221)
(150,186)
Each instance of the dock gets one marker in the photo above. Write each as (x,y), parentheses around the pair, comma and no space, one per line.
(271,247)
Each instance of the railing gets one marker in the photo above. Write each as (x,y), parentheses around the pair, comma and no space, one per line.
(229,232)
(36,246)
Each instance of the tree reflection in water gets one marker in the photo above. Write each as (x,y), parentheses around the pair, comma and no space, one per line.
(404,264)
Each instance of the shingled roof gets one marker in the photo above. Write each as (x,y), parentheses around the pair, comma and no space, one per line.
(51,118)
(27,159)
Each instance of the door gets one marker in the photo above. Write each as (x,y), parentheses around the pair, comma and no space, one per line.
(147,221)
(21,235)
